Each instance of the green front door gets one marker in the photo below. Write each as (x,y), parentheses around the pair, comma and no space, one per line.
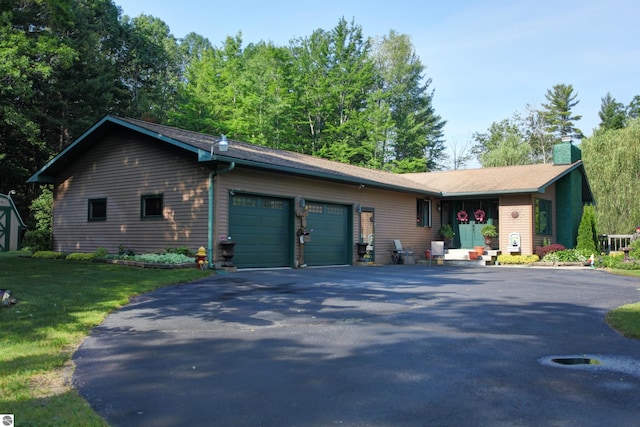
(329,227)
(470,235)
(261,228)
(5,227)
(467,227)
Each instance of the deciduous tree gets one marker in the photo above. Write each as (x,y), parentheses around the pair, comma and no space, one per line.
(151,68)
(417,132)
(502,145)
(612,161)
(333,75)
(30,54)
(633,109)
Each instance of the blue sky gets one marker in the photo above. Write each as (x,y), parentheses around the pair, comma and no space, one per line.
(487,59)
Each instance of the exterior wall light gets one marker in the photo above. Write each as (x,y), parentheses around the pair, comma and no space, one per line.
(223,144)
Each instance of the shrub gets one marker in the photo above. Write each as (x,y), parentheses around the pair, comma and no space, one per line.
(633,265)
(542,251)
(635,249)
(181,250)
(587,234)
(517,259)
(80,256)
(446,231)
(125,251)
(37,240)
(41,207)
(164,258)
(101,253)
(567,255)
(610,261)
(48,255)
(156,258)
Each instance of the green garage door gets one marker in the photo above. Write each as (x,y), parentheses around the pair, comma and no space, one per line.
(329,226)
(260,226)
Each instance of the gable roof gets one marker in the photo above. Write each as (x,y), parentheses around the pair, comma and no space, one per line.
(501,180)
(472,182)
(240,153)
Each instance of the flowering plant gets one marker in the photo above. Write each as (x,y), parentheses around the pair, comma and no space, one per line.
(479,215)
(463,216)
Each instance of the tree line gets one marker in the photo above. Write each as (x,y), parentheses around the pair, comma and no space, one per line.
(529,137)
(336,94)
(611,155)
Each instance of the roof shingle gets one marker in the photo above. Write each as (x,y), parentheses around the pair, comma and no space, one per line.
(472,182)
(497,180)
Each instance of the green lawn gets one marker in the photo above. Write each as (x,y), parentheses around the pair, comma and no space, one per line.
(59,302)
(626,319)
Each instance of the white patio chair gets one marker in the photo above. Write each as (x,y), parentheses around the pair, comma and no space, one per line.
(399,254)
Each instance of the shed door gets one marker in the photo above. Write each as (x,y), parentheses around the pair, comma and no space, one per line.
(260,226)
(329,227)
(5,227)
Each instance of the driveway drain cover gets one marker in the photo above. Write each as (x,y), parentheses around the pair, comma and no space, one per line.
(576,361)
(589,362)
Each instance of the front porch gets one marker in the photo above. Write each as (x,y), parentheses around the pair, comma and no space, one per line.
(467,218)
(461,257)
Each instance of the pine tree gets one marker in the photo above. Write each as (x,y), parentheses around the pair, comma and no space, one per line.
(557,113)
(612,114)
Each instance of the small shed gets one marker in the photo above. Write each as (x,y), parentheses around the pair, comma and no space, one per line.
(11,225)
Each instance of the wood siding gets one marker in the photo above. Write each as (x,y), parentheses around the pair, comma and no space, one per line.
(516,216)
(395,213)
(121,169)
(524,221)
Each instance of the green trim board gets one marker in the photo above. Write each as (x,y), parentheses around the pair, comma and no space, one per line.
(5,228)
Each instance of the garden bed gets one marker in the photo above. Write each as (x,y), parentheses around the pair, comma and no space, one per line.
(142,264)
(558,264)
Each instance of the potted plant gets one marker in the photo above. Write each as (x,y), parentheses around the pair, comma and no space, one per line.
(489,231)
(447,234)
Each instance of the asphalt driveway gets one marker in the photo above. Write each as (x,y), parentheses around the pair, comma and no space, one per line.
(369,346)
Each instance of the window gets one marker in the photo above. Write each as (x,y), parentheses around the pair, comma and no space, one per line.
(272,204)
(97,210)
(151,206)
(246,201)
(423,213)
(542,213)
(314,208)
